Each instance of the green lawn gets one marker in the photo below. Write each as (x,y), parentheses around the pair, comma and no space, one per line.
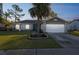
(16,40)
(76,33)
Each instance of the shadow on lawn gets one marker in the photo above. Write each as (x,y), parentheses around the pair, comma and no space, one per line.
(14,32)
(22,43)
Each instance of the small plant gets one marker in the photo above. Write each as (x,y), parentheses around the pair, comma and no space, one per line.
(67,42)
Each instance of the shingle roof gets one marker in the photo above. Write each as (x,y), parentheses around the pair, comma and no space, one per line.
(74,20)
(59,21)
(56,20)
(28,21)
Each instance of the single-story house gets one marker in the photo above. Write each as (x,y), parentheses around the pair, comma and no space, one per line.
(74,25)
(54,25)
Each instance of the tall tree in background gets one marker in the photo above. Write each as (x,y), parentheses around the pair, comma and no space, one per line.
(1,19)
(40,11)
(6,15)
(53,14)
(16,12)
(1,12)
(1,9)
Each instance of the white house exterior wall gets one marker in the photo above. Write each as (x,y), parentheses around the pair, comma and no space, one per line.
(43,27)
(22,26)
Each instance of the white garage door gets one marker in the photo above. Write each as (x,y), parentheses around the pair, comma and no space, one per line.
(55,28)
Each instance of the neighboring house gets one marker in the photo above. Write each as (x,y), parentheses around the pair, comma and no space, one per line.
(2,26)
(74,25)
(54,25)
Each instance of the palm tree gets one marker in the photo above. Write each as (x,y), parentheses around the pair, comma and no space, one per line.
(40,11)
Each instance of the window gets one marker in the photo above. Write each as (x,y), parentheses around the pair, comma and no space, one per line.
(17,26)
(27,26)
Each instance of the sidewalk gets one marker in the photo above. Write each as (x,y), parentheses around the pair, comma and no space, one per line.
(53,51)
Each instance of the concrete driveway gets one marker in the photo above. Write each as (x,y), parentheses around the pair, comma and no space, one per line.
(66,40)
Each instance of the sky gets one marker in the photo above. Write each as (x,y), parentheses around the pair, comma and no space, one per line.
(66,11)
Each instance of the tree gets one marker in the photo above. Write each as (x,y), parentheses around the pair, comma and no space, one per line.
(40,11)
(5,22)
(1,19)
(16,12)
(53,14)
(6,15)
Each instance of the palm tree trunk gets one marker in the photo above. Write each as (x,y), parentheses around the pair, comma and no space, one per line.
(39,26)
